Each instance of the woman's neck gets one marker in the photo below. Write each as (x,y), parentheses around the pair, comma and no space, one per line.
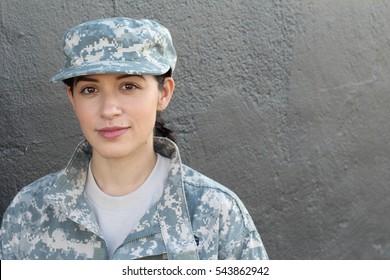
(118,177)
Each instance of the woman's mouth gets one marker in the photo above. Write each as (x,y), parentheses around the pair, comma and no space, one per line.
(112,132)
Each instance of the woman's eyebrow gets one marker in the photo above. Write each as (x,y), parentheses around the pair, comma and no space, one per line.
(85,79)
(129,75)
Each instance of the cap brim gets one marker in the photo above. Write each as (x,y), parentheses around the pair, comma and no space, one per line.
(137,67)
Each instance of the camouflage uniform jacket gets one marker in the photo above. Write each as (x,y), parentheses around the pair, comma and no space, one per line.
(196,218)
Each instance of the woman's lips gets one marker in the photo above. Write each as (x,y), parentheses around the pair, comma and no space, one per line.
(112,132)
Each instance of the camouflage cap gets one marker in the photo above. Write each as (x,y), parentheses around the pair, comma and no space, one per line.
(117,46)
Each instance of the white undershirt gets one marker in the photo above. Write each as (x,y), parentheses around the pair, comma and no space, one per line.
(118,216)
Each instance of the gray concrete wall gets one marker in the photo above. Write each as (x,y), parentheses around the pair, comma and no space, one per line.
(286,102)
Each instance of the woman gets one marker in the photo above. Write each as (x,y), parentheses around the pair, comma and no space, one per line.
(125,193)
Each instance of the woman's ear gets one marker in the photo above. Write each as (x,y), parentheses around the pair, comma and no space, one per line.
(166,93)
(70,95)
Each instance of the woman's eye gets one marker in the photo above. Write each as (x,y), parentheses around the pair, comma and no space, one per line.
(129,86)
(88,90)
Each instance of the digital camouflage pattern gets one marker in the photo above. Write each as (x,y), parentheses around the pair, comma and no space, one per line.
(196,218)
(117,46)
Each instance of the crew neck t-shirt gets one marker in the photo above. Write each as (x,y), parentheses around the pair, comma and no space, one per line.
(117,216)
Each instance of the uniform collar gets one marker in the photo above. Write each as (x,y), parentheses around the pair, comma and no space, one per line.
(172,209)
(67,194)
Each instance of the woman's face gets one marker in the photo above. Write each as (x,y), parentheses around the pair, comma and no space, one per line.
(117,112)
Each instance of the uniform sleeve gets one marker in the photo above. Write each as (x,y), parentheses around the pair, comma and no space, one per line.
(1,245)
(10,234)
(239,237)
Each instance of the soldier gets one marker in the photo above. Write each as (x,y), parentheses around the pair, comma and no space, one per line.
(125,193)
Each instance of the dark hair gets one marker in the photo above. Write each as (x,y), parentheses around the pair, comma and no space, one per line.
(159,128)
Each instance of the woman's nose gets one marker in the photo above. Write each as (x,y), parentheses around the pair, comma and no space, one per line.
(111,107)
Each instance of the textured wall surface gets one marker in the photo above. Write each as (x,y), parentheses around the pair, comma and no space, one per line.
(285,102)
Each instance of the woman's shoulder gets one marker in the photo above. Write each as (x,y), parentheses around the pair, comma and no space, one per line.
(35,191)
(202,183)
(212,197)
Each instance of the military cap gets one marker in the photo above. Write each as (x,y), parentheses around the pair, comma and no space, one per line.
(117,46)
